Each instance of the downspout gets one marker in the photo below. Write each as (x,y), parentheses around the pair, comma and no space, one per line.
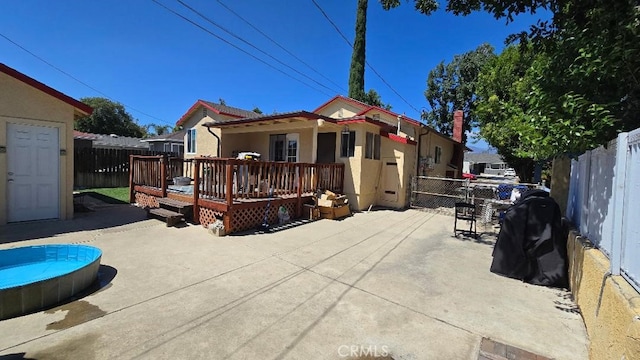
(419,145)
(217,137)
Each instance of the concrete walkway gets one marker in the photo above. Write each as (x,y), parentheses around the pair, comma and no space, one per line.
(385,283)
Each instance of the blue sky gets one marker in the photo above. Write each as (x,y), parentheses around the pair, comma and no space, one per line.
(158,65)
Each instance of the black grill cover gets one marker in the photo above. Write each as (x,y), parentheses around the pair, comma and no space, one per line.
(532,245)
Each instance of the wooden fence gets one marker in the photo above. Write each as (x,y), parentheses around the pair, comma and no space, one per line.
(96,168)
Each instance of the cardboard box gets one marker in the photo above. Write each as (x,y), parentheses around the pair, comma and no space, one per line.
(334,212)
(325,202)
(310,211)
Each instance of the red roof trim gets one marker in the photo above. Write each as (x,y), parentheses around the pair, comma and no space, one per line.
(404,117)
(347,99)
(303,114)
(366,108)
(195,107)
(396,138)
(365,119)
(46,89)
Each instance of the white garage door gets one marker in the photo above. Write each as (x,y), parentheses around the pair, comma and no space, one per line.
(33,173)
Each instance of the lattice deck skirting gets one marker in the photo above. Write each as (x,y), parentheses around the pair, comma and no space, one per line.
(248,216)
(145,201)
(209,216)
(251,218)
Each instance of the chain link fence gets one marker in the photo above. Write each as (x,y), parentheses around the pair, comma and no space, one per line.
(439,195)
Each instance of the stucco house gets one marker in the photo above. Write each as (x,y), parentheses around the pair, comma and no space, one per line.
(380,150)
(36,148)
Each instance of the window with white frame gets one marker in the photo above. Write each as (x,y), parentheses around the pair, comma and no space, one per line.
(284,147)
(191,141)
(438,156)
(372,146)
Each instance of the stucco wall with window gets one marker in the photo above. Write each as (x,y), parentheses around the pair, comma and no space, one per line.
(206,144)
(428,145)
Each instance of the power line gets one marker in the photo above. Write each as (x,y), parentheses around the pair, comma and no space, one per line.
(78,80)
(249,44)
(278,44)
(235,46)
(366,62)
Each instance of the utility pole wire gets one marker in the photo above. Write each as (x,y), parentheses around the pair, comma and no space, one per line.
(235,46)
(250,44)
(278,44)
(366,62)
(80,81)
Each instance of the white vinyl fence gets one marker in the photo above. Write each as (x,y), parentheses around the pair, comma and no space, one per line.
(604,202)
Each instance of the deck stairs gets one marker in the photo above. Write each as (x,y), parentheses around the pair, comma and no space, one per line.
(172,211)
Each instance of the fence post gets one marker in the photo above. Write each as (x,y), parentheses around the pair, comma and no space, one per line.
(619,195)
(163,175)
(131,169)
(196,190)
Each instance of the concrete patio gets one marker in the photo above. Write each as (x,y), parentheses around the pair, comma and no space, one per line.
(385,283)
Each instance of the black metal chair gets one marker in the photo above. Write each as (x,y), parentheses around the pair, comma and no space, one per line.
(465,212)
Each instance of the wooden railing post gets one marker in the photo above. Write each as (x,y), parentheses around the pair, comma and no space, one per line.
(300,169)
(163,175)
(196,190)
(229,190)
(131,169)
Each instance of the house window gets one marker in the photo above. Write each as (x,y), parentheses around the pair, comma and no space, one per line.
(191,141)
(167,147)
(348,144)
(284,147)
(177,148)
(372,148)
(292,148)
(438,156)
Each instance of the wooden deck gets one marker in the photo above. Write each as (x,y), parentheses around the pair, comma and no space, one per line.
(241,193)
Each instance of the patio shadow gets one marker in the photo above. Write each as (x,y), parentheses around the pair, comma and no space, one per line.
(100,215)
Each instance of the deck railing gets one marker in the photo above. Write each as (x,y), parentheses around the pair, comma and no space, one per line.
(226,180)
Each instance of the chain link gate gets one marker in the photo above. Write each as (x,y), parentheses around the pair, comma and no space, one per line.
(438,194)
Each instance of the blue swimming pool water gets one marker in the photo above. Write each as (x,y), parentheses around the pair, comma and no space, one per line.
(26,265)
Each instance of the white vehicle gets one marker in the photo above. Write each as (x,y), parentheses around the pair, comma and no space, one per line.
(510,172)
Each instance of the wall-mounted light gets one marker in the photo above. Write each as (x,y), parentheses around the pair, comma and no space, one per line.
(345,129)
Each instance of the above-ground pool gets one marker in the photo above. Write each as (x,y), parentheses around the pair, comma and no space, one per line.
(35,277)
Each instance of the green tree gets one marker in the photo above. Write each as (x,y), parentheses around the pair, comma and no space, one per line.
(108,117)
(155,129)
(502,106)
(583,86)
(373,98)
(257,110)
(452,87)
(358,57)
(358,60)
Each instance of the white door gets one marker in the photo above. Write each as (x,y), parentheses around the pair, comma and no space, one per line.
(391,182)
(33,173)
